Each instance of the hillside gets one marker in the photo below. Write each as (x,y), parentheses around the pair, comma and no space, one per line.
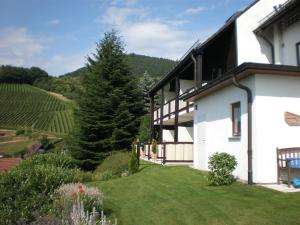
(22,105)
(156,67)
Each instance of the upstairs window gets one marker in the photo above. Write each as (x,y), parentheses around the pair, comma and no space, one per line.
(236,119)
(298,53)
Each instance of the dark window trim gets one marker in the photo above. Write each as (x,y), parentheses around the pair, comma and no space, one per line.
(234,132)
(298,53)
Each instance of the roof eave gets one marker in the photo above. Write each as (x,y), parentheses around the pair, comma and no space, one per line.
(241,72)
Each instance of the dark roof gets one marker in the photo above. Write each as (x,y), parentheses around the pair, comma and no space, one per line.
(198,48)
(241,72)
(277,14)
(8,163)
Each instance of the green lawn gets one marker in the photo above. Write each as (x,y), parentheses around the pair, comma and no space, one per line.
(180,195)
(16,147)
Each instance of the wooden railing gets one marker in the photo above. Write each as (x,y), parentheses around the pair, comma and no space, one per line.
(169,109)
(179,152)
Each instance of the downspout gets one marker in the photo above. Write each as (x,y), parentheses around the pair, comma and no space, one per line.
(195,69)
(249,109)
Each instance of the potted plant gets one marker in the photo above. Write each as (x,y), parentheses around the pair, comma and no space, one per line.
(154,149)
(143,152)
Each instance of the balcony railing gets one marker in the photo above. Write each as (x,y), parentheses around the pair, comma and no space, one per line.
(169,152)
(169,109)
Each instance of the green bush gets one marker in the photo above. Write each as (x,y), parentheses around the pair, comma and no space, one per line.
(133,166)
(221,166)
(106,175)
(154,146)
(29,187)
(20,132)
(84,176)
(66,195)
(116,163)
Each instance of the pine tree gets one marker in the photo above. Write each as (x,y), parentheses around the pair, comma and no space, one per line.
(110,105)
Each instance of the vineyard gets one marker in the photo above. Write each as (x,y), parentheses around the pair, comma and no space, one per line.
(25,106)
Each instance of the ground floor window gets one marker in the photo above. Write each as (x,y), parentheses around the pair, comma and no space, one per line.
(298,53)
(236,118)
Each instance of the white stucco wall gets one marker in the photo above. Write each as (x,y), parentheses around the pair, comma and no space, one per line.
(290,37)
(185,85)
(185,134)
(168,135)
(250,47)
(272,97)
(213,128)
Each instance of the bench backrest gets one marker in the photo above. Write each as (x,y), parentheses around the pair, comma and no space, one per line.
(287,153)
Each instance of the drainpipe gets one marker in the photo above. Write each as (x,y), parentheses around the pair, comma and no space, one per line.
(249,109)
(195,69)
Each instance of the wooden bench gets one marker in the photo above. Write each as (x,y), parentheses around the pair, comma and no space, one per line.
(287,159)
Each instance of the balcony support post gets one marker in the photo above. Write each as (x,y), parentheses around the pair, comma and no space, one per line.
(161,125)
(177,89)
(151,118)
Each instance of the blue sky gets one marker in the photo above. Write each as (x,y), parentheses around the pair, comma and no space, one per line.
(57,35)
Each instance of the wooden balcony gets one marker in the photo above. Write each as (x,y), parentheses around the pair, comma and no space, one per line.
(169,110)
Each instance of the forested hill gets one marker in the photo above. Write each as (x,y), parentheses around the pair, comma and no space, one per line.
(139,64)
(156,67)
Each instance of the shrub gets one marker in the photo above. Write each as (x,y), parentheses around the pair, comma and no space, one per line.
(133,166)
(78,215)
(29,187)
(154,146)
(84,176)
(221,166)
(106,175)
(66,195)
(46,143)
(116,163)
(20,132)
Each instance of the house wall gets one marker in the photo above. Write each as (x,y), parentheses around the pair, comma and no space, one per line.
(168,135)
(290,37)
(185,85)
(185,134)
(272,100)
(272,97)
(213,128)
(251,48)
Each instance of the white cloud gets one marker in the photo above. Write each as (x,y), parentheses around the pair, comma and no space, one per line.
(147,35)
(117,16)
(194,10)
(59,64)
(18,47)
(54,22)
(156,39)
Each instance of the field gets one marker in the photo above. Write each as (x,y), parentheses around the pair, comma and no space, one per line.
(25,106)
(159,195)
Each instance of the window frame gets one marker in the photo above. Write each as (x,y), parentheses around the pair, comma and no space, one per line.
(298,53)
(236,133)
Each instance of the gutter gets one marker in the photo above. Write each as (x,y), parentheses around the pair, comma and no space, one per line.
(249,109)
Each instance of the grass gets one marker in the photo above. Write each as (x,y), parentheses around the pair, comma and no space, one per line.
(15,147)
(180,195)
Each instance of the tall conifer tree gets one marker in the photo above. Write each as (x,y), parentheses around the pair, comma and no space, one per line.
(110,106)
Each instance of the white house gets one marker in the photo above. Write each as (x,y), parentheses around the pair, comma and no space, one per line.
(233,93)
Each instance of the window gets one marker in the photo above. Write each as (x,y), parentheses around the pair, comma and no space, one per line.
(236,118)
(298,53)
